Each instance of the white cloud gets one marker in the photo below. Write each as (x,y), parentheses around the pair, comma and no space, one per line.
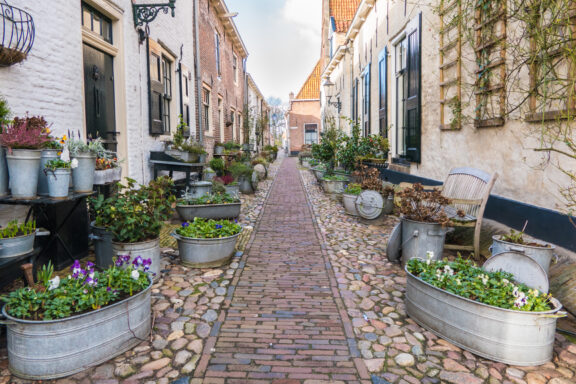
(306,15)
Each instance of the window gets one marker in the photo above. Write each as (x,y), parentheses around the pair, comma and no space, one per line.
(366,101)
(310,134)
(97,23)
(218,66)
(206,108)
(383,92)
(235,68)
(221,118)
(354,111)
(160,67)
(233,123)
(167,97)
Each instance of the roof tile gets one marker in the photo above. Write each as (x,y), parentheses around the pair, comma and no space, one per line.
(343,12)
(311,88)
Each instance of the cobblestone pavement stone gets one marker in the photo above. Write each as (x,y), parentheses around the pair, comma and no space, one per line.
(394,348)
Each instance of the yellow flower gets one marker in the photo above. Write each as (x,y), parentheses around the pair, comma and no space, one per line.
(59,153)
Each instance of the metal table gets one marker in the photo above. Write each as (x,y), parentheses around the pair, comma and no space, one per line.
(162,162)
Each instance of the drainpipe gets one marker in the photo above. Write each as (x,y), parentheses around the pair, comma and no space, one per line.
(179,70)
(198,74)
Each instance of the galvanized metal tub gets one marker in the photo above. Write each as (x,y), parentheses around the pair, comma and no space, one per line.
(23,166)
(349,202)
(44,350)
(83,175)
(105,176)
(333,186)
(542,255)
(205,253)
(319,173)
(47,155)
(245,185)
(147,249)
(419,238)
(3,173)
(16,246)
(507,336)
(212,211)
(198,189)
(233,190)
(58,182)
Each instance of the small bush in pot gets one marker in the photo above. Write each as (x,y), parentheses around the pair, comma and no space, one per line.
(58,173)
(243,173)
(218,165)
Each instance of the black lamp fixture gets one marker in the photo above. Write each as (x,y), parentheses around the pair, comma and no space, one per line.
(337,104)
(146,13)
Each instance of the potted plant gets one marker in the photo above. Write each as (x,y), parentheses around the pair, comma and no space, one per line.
(243,173)
(85,153)
(218,165)
(24,138)
(107,169)
(17,239)
(541,252)
(215,206)
(334,184)
(229,185)
(198,188)
(218,148)
(486,313)
(260,165)
(5,114)
(60,325)
(349,197)
(58,174)
(423,222)
(208,174)
(51,151)
(192,152)
(304,157)
(272,150)
(206,243)
(135,216)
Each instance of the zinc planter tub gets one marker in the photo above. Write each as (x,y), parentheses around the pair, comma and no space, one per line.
(205,253)
(16,246)
(542,255)
(146,249)
(47,155)
(503,335)
(23,169)
(334,186)
(209,211)
(349,202)
(44,350)
(83,175)
(58,182)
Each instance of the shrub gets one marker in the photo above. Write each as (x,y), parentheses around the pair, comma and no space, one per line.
(218,165)
(26,133)
(238,170)
(208,229)
(353,189)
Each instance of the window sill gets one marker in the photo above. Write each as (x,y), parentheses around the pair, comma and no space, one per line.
(539,117)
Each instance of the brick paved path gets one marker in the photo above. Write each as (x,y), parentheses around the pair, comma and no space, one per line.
(285,322)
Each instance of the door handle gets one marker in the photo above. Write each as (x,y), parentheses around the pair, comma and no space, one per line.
(97,101)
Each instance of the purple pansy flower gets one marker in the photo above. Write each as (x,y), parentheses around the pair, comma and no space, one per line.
(186,224)
(138,261)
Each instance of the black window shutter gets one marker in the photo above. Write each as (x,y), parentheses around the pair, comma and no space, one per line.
(156,93)
(413,102)
(383,91)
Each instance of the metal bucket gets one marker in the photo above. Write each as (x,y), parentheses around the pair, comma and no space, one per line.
(419,238)
(349,202)
(212,211)
(83,175)
(23,166)
(542,255)
(319,173)
(103,250)
(208,176)
(198,189)
(47,155)
(3,173)
(58,182)
(218,150)
(44,350)
(504,335)
(333,186)
(205,253)
(388,207)
(232,190)
(245,185)
(147,249)
(16,246)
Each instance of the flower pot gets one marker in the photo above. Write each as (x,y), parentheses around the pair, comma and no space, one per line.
(198,189)
(205,253)
(245,185)
(58,183)
(208,176)
(232,189)
(47,155)
(23,166)
(16,246)
(103,250)
(504,335)
(542,255)
(319,173)
(149,249)
(83,175)
(3,173)
(218,150)
(209,211)
(349,202)
(106,176)
(418,238)
(44,350)
(305,162)
(388,207)
(334,186)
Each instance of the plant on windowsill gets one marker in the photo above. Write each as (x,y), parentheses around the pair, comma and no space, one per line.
(212,206)
(108,301)
(17,239)
(204,243)
(185,149)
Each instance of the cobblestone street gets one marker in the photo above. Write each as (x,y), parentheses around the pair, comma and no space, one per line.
(312,300)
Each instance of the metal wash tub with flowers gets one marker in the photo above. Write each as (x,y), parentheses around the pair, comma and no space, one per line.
(85,319)
(517,326)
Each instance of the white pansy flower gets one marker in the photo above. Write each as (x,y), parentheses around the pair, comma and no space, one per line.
(135,275)
(54,283)
(74,163)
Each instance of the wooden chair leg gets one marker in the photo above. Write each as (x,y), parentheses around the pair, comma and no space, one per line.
(477,231)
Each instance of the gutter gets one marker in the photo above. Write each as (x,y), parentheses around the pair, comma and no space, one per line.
(197,71)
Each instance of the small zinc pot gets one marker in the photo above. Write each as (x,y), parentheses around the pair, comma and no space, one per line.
(218,150)
(209,211)
(419,238)
(388,207)
(333,186)
(23,166)
(103,250)
(3,173)
(205,253)
(503,335)
(16,246)
(233,189)
(208,176)
(47,155)
(83,175)
(58,183)
(245,185)
(349,202)
(44,350)
(542,255)
(198,189)
(146,249)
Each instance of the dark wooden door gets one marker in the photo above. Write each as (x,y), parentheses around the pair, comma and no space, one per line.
(99,96)
(413,118)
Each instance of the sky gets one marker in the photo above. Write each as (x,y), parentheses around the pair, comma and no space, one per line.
(283,41)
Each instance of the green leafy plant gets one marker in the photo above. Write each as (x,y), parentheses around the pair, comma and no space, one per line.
(327,150)
(208,229)
(238,169)
(518,238)
(5,112)
(218,165)
(461,277)
(218,187)
(353,189)
(136,213)
(76,145)
(13,229)
(192,147)
(45,273)
(232,146)
(260,160)
(54,164)
(178,138)
(335,178)
(271,148)
(84,290)
(418,204)
(212,199)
